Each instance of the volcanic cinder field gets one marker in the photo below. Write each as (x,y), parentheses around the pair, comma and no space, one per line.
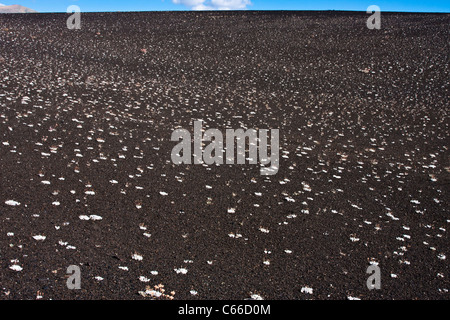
(86,176)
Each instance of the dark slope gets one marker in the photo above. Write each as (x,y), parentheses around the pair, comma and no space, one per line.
(363,119)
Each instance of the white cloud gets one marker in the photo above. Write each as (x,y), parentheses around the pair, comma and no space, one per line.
(214,4)
(202,7)
(189,3)
(230,4)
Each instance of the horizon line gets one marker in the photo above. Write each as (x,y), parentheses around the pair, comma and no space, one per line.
(242,10)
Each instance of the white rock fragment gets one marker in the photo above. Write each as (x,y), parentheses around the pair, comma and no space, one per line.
(255,296)
(181,270)
(92,217)
(144,279)
(390,215)
(307,290)
(152,293)
(16,267)
(137,257)
(12,203)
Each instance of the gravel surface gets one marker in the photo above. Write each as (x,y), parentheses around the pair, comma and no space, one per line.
(86,176)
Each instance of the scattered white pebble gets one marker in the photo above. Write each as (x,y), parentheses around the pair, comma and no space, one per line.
(12,203)
(144,279)
(181,270)
(307,290)
(137,257)
(16,267)
(255,296)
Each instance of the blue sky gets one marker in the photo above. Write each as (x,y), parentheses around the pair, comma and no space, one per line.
(158,5)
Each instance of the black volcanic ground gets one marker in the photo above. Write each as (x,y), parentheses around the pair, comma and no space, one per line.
(86,118)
